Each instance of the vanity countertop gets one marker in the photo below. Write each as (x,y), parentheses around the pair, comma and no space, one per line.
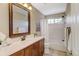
(16,46)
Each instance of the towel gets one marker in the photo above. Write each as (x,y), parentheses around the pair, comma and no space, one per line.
(2,37)
(70,44)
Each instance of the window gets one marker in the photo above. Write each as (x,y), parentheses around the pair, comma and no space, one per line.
(50,21)
(53,21)
(58,20)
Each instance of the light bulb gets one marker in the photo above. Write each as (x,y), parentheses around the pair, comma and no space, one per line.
(30,8)
(25,5)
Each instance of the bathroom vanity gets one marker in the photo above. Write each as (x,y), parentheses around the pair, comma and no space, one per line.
(31,46)
(35,49)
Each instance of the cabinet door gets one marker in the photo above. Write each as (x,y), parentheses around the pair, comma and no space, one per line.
(35,50)
(19,53)
(41,47)
(28,51)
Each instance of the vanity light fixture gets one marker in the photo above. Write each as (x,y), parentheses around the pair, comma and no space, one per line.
(27,5)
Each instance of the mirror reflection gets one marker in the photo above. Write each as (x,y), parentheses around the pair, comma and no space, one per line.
(20,20)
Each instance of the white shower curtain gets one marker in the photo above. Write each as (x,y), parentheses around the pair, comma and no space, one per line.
(44,30)
(44,33)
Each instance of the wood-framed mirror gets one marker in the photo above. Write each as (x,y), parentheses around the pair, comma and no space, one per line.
(19,20)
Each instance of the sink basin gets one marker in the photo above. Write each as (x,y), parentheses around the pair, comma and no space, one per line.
(9,41)
(12,41)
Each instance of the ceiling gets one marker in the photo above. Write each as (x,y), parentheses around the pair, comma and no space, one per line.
(50,8)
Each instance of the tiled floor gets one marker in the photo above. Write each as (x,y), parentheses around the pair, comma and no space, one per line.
(52,52)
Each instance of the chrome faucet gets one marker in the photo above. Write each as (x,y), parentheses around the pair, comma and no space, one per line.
(23,38)
(35,34)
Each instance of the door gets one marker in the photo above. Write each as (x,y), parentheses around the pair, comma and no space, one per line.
(41,47)
(56,34)
(28,50)
(35,50)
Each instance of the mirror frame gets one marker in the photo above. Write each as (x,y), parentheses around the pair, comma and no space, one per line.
(10,5)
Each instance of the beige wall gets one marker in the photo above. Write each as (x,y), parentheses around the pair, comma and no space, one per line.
(4,19)
(36,16)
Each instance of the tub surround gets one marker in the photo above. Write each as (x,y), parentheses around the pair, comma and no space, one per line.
(18,45)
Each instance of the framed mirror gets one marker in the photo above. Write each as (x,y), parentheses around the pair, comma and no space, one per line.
(19,20)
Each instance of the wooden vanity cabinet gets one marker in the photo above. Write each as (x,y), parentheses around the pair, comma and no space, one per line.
(28,51)
(36,49)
